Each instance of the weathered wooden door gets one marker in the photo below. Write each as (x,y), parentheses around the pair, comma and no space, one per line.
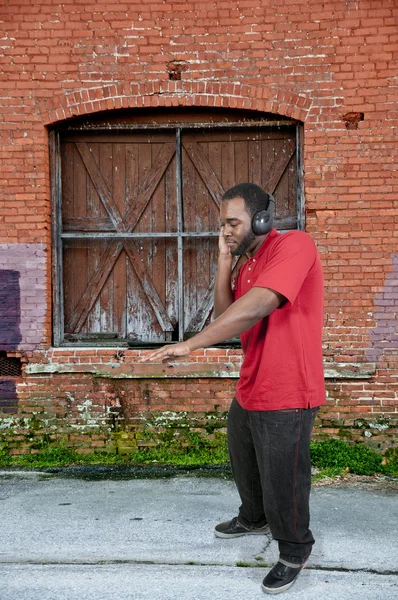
(138,224)
(212,162)
(117,283)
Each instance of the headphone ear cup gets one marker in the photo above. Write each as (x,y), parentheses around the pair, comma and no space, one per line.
(262,221)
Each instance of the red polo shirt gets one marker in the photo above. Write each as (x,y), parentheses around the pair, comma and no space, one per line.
(283,364)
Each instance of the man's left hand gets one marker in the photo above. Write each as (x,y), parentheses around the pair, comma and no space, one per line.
(165,353)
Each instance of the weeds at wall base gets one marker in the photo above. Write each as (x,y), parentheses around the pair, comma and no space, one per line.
(331,457)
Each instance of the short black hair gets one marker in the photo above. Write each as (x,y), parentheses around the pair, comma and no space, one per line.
(255,198)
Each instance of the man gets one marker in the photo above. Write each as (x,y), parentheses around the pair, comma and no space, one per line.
(276,305)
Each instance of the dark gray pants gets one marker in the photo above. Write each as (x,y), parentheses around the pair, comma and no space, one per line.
(270,459)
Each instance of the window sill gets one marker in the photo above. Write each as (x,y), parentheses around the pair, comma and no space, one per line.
(141,370)
(220,369)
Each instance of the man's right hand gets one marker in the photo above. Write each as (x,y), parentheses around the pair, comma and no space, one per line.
(222,244)
(222,290)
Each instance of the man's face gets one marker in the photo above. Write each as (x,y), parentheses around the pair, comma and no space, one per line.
(237,226)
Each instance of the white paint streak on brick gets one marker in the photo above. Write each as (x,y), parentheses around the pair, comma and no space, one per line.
(30,261)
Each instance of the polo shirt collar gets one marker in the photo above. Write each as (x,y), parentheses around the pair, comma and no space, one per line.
(271,236)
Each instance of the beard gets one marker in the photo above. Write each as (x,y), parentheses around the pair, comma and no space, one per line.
(244,245)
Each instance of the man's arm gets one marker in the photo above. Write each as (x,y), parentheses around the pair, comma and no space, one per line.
(240,316)
(223,297)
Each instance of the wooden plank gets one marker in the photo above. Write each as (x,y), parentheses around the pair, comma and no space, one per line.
(144,167)
(120,295)
(132,177)
(267,160)
(107,162)
(101,186)
(254,152)
(92,336)
(148,286)
(148,186)
(281,192)
(78,174)
(233,134)
(93,204)
(171,218)
(190,280)
(139,314)
(121,176)
(118,174)
(79,275)
(156,258)
(201,248)
(94,287)
(277,168)
(66,180)
(146,315)
(228,164)
(292,205)
(215,159)
(88,224)
(129,136)
(171,291)
(241,162)
(200,317)
(191,183)
(95,208)
(205,170)
(203,198)
(67,281)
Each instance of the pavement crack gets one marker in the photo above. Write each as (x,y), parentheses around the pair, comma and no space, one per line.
(350,570)
(110,562)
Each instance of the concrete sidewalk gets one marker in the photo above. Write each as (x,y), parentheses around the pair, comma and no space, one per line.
(75,539)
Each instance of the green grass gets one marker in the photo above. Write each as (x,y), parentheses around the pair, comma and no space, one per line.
(59,457)
(55,456)
(331,457)
(201,451)
(336,456)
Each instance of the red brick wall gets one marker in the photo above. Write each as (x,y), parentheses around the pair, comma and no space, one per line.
(329,66)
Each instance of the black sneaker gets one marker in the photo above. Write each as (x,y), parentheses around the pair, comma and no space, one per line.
(281,578)
(233,528)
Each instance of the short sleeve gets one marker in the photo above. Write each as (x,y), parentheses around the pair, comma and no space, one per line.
(290,261)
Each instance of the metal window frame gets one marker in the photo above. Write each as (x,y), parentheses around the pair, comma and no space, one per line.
(300,177)
(56,240)
(56,207)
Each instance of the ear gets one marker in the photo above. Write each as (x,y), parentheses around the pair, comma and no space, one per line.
(263,220)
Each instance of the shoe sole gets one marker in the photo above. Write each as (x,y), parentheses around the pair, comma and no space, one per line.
(235,535)
(284,587)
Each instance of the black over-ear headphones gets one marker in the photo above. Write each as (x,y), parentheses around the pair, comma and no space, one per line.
(263,219)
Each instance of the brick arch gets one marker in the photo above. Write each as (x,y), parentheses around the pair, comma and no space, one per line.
(174,93)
